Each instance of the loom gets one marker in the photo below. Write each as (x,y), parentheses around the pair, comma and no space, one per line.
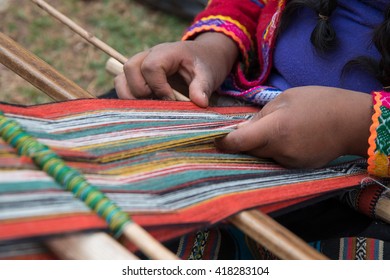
(156,160)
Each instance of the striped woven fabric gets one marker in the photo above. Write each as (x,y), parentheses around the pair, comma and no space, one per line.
(154,159)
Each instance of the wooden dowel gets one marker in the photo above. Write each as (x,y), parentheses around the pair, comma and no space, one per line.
(88,246)
(92,39)
(146,243)
(37,72)
(114,67)
(382,209)
(80,31)
(274,236)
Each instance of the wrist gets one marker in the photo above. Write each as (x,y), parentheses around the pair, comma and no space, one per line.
(221,46)
(358,141)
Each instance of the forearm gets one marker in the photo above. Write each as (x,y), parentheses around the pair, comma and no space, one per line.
(223,48)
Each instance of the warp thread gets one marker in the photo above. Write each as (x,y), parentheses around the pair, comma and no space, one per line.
(68,177)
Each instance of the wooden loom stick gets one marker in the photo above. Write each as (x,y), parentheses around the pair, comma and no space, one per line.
(92,39)
(276,238)
(382,209)
(154,251)
(88,246)
(114,67)
(37,72)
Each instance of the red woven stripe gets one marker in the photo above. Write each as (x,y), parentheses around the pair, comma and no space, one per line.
(81,106)
(50,225)
(224,206)
(368,198)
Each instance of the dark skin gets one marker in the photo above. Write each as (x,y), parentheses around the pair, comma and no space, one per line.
(303,127)
(202,63)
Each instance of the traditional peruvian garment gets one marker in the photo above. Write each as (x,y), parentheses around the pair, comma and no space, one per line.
(273,61)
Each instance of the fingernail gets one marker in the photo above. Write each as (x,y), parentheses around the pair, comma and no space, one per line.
(221,147)
(242,124)
(167,98)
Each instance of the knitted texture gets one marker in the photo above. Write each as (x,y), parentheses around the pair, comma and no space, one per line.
(379,150)
(253,26)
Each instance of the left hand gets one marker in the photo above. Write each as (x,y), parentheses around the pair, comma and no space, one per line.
(306,127)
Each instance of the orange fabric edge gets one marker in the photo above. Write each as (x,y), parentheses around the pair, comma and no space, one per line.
(373,133)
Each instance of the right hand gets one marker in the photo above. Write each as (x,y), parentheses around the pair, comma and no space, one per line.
(203,64)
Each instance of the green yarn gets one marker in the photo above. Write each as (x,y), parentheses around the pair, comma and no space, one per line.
(68,177)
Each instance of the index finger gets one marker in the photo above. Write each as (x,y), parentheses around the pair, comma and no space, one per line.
(137,85)
(160,63)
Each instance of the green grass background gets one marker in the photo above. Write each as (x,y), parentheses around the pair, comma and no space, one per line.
(126,25)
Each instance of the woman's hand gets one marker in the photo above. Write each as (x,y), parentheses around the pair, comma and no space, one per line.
(306,127)
(203,64)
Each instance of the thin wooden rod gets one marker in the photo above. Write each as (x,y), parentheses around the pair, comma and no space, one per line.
(80,31)
(382,208)
(114,67)
(37,72)
(88,246)
(92,39)
(146,243)
(273,236)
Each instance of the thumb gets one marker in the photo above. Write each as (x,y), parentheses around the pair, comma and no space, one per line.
(200,91)
(254,136)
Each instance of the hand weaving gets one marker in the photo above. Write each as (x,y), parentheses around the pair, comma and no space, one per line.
(155,160)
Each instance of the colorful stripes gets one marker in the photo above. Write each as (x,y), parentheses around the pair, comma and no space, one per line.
(379,141)
(66,176)
(259,95)
(360,248)
(155,160)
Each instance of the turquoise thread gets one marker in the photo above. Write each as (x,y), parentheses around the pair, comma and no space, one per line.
(68,177)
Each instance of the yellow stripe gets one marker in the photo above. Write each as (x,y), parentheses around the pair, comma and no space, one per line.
(229,19)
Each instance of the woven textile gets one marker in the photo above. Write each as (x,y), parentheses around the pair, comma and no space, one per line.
(154,159)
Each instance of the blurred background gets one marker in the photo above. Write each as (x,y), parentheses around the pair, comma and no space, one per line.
(128,26)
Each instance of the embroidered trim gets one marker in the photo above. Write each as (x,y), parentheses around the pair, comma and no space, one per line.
(265,48)
(377,160)
(260,95)
(360,248)
(228,26)
(367,200)
(199,245)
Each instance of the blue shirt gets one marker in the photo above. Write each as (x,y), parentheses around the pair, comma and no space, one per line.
(296,62)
